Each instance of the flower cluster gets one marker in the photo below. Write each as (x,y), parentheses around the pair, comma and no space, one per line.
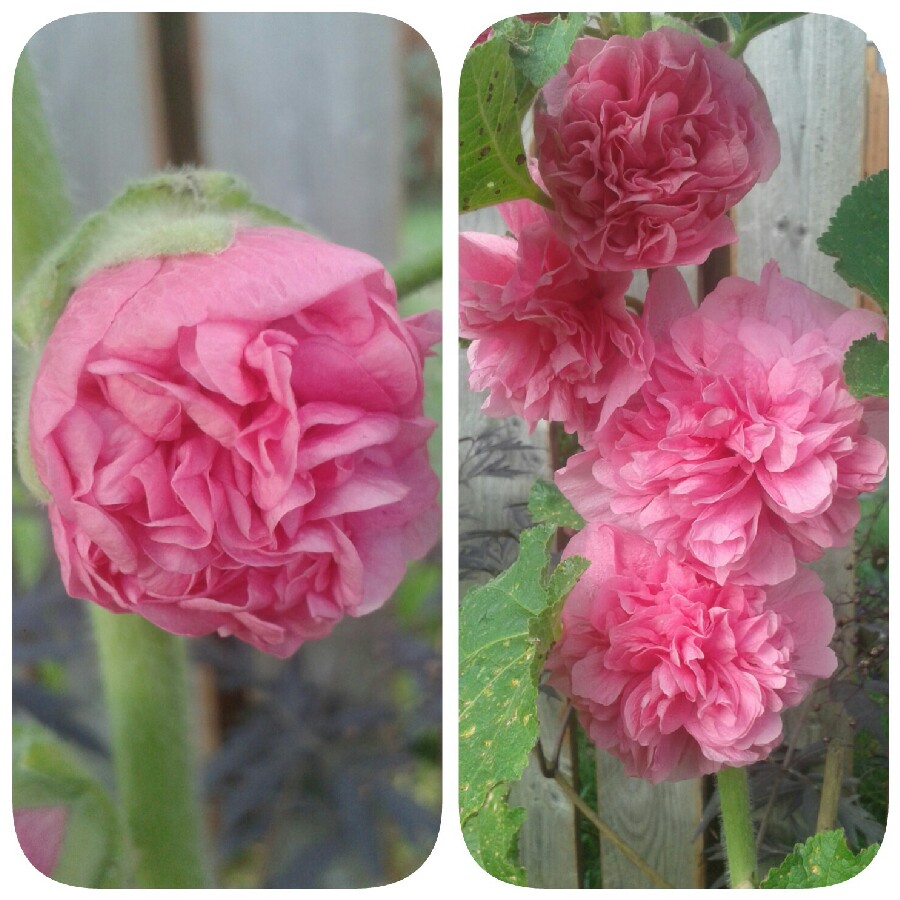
(235,442)
(721,446)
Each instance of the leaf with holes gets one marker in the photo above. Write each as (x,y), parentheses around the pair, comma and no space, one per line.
(866,367)
(546,503)
(823,860)
(858,237)
(492,162)
(539,50)
(493,838)
(506,629)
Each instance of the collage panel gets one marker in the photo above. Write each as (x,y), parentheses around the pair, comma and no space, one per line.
(226,614)
(673,267)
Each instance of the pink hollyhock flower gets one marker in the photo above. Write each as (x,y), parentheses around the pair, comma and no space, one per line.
(235,443)
(679,676)
(645,143)
(744,450)
(41,830)
(551,339)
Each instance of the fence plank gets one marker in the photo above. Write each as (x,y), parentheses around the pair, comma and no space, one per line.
(93,71)
(659,821)
(813,73)
(308,108)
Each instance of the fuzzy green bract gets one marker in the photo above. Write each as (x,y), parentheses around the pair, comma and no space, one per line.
(506,629)
(866,367)
(858,238)
(179,212)
(823,860)
(41,212)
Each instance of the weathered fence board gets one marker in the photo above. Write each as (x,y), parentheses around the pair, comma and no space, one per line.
(813,73)
(310,128)
(94,70)
(659,821)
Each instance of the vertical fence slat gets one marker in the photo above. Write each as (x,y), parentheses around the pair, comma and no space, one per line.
(659,821)
(93,71)
(317,136)
(813,73)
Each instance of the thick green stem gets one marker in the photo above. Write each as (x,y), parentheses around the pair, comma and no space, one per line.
(737,827)
(144,673)
(410,275)
(635,23)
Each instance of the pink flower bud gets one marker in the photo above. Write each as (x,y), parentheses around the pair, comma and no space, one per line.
(234,442)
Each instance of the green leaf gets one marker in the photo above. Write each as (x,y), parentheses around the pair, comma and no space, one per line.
(40,205)
(46,772)
(538,51)
(858,237)
(492,161)
(823,860)
(30,550)
(493,838)
(546,503)
(506,628)
(866,367)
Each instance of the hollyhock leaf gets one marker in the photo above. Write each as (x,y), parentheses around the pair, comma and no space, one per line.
(858,237)
(492,837)
(41,212)
(547,504)
(823,860)
(51,788)
(492,162)
(539,50)
(504,630)
(866,367)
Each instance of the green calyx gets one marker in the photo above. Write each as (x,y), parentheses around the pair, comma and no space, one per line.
(171,214)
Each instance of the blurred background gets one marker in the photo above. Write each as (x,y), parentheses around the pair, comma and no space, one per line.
(322,770)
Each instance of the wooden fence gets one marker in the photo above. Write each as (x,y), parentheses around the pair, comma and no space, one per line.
(308,108)
(829,104)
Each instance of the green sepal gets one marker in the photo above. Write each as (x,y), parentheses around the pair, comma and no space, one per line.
(171,214)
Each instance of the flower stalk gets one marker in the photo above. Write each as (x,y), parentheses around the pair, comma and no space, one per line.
(737,827)
(144,674)
(411,275)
